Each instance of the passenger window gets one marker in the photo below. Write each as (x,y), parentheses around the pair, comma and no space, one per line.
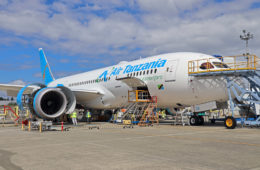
(167,70)
(144,73)
(155,70)
(147,72)
(137,73)
(151,71)
(134,75)
(140,73)
(131,75)
(206,65)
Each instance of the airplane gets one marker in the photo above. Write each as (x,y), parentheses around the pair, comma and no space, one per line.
(164,76)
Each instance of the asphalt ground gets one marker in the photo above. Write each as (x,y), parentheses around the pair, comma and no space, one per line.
(113,147)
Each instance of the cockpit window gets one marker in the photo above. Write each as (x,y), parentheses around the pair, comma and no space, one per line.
(206,65)
(220,65)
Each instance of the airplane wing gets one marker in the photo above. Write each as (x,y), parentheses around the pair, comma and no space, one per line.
(86,95)
(12,90)
(132,81)
(81,95)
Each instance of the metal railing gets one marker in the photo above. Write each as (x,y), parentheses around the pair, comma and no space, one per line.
(139,96)
(227,63)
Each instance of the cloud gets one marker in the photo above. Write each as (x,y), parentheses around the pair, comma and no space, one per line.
(3,2)
(114,29)
(18,82)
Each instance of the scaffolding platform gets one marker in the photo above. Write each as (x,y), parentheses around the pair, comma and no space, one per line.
(141,108)
(244,66)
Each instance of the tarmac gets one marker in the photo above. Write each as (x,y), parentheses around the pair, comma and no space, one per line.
(113,147)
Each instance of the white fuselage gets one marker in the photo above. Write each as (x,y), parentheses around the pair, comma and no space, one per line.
(179,89)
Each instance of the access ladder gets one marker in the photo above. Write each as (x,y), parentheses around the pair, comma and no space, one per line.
(150,116)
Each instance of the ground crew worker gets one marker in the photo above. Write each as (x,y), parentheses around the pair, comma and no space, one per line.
(88,115)
(115,118)
(133,118)
(73,116)
(163,114)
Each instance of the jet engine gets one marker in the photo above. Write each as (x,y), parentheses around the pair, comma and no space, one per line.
(50,102)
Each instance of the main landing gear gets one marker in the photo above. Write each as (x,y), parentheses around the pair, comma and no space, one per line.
(196,120)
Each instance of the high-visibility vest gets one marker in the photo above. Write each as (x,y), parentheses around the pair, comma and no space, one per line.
(74,115)
(163,114)
(88,115)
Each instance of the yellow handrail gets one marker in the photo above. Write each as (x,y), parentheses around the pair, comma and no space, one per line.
(240,62)
(140,96)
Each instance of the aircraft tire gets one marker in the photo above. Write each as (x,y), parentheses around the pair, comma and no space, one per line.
(194,120)
(230,122)
(200,120)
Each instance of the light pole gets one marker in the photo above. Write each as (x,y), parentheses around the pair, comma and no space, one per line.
(246,37)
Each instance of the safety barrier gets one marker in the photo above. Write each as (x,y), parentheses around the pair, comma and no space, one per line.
(43,126)
(9,112)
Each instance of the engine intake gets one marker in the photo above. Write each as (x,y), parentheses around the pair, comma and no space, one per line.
(47,102)
(52,102)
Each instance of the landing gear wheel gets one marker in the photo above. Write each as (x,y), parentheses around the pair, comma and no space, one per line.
(230,122)
(194,120)
(201,120)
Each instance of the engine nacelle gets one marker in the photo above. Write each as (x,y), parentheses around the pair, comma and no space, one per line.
(51,102)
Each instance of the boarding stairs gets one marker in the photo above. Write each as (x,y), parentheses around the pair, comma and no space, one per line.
(150,116)
(136,109)
(138,102)
(242,68)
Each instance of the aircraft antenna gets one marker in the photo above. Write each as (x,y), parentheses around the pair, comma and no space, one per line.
(246,37)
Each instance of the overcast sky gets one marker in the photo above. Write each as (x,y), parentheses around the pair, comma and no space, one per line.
(82,35)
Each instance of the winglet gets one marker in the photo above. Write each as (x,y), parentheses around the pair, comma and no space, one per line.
(45,68)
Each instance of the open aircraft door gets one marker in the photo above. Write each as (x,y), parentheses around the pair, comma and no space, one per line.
(132,81)
(170,73)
